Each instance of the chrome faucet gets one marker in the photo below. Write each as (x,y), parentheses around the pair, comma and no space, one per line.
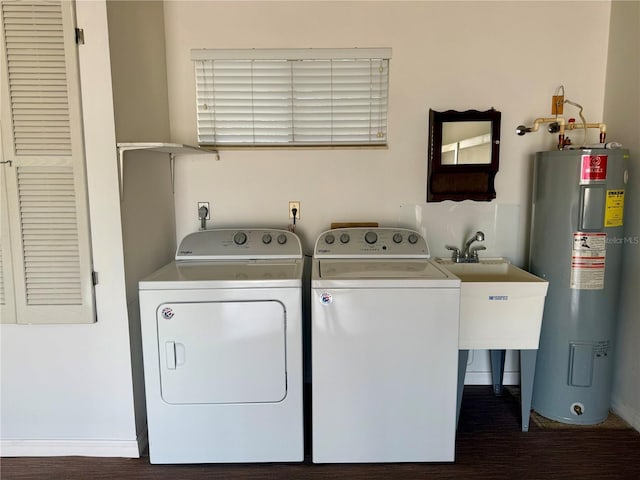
(468,254)
(203,212)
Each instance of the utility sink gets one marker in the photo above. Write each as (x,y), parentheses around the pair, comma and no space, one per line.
(500,305)
(500,309)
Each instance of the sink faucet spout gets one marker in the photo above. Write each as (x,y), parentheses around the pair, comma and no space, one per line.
(467,254)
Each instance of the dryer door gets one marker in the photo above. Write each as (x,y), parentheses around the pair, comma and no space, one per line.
(222,352)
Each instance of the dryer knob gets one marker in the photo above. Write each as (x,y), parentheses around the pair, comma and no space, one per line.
(282,239)
(344,238)
(266,238)
(413,238)
(397,237)
(329,239)
(371,237)
(240,238)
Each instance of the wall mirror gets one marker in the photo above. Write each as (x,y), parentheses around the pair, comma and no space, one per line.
(464,149)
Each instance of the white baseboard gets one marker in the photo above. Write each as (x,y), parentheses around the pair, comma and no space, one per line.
(484,378)
(625,412)
(84,448)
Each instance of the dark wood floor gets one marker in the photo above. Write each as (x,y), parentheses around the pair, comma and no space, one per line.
(489,446)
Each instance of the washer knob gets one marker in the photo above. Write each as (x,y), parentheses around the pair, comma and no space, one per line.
(397,237)
(413,238)
(266,238)
(282,239)
(329,239)
(371,237)
(240,238)
(344,238)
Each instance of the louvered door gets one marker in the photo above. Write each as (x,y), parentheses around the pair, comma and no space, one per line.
(45,184)
(7,310)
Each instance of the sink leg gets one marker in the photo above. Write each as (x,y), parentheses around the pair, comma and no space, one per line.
(497,370)
(527,373)
(463,357)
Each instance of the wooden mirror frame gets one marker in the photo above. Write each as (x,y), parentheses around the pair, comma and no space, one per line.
(465,181)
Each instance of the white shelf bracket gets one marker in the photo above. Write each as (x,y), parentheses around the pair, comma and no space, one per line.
(172,149)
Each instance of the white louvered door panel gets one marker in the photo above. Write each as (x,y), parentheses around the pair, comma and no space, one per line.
(7,310)
(46,185)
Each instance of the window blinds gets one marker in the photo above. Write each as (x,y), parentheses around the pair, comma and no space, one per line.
(292,96)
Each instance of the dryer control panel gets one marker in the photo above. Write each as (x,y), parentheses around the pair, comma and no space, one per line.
(371,242)
(240,244)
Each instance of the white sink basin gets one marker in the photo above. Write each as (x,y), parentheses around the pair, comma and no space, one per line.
(500,305)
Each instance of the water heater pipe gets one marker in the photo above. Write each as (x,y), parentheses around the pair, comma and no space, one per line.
(538,121)
(521,130)
(601,126)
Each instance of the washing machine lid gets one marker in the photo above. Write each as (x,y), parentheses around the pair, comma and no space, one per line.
(335,269)
(378,273)
(182,275)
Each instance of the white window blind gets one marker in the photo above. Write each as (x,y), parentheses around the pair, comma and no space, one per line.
(292,96)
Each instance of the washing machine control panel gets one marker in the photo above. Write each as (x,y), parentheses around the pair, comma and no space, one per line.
(240,244)
(369,242)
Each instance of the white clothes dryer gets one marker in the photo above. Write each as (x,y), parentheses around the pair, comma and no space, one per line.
(222,349)
(384,339)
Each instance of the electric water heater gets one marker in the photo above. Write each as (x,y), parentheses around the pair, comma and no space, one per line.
(576,244)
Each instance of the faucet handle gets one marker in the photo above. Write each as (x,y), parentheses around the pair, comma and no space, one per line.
(455,256)
(474,250)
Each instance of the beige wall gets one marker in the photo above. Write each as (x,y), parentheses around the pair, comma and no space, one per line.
(457,55)
(141,110)
(622,115)
(136,41)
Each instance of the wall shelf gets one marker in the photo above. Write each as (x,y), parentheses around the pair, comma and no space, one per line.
(172,149)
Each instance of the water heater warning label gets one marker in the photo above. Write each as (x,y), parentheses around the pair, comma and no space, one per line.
(614,208)
(588,261)
(593,168)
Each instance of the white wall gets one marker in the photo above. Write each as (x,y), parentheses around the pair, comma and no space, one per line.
(446,55)
(138,65)
(455,55)
(622,115)
(139,75)
(67,389)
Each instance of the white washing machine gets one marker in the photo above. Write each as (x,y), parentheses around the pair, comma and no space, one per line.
(222,348)
(384,349)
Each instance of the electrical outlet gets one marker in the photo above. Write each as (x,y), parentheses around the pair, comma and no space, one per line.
(293,205)
(205,205)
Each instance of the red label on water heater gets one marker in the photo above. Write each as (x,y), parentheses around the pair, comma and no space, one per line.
(594,168)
